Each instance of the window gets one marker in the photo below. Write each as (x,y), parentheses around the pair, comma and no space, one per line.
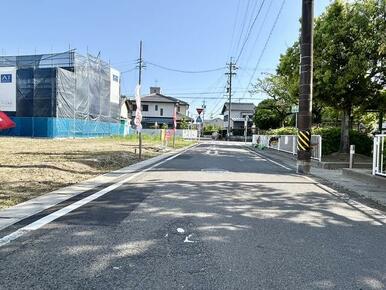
(161,112)
(156,108)
(145,108)
(178,109)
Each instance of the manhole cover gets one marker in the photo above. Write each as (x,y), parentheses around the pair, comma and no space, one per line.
(214,170)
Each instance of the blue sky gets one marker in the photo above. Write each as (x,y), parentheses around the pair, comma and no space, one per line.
(179,34)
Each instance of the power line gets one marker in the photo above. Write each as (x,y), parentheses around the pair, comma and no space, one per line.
(130,70)
(250,31)
(222,98)
(185,71)
(265,46)
(203,93)
(234,27)
(257,37)
(243,25)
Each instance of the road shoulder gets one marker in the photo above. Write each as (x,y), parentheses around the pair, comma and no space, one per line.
(24,210)
(372,195)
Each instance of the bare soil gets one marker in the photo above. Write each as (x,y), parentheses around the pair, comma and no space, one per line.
(345,157)
(32,167)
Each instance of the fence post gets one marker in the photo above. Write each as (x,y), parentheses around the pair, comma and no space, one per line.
(375,154)
(293,144)
(320,148)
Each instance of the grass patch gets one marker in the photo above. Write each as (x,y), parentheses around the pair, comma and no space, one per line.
(32,167)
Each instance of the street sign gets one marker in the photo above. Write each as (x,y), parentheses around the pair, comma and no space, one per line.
(198,120)
(199,110)
(295,109)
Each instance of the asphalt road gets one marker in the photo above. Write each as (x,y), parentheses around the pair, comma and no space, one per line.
(215,217)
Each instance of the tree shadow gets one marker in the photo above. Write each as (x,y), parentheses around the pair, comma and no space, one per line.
(236,235)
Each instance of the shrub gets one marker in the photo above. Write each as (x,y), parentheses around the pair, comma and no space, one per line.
(331,140)
(283,131)
(363,143)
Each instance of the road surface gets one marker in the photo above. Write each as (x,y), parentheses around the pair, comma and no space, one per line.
(214,217)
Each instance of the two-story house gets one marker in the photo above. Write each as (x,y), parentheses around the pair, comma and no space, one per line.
(158,109)
(239,112)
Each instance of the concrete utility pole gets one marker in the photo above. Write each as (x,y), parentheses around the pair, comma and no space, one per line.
(230,74)
(305,97)
(140,67)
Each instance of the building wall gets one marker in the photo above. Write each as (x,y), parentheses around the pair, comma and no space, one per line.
(235,114)
(168,109)
(183,109)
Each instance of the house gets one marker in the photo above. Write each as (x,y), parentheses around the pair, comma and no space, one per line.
(158,109)
(239,112)
(217,122)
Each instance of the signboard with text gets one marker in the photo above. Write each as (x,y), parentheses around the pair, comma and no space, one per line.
(8,89)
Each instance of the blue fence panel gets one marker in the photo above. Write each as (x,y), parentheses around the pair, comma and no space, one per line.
(62,128)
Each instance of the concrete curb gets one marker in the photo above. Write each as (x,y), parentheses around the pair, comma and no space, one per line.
(14,214)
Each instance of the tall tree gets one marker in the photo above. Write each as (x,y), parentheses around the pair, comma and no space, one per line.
(276,87)
(342,66)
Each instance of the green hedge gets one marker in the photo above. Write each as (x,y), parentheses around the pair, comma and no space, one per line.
(283,131)
(331,139)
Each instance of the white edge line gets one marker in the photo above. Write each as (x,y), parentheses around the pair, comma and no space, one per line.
(59,213)
(270,160)
(376,214)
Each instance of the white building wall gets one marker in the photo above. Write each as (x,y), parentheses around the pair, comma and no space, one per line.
(167,107)
(235,114)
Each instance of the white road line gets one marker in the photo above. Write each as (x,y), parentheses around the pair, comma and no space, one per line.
(270,160)
(57,214)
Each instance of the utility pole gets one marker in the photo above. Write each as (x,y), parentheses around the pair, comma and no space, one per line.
(203,113)
(140,67)
(305,96)
(232,67)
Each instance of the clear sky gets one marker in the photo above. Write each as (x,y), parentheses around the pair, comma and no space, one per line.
(178,34)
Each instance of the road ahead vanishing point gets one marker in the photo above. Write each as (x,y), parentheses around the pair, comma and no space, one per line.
(214,217)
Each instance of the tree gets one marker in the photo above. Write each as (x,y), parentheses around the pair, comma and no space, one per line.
(184,124)
(276,87)
(342,72)
(266,116)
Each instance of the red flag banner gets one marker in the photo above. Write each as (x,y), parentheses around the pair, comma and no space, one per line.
(6,122)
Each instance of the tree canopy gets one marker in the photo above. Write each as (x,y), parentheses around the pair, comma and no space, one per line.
(349,64)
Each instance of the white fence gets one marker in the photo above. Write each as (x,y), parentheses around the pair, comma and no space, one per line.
(184,133)
(288,143)
(379,156)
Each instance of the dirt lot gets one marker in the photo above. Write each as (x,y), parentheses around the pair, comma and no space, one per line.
(31,167)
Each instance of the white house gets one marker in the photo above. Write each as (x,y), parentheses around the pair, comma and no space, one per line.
(158,109)
(239,112)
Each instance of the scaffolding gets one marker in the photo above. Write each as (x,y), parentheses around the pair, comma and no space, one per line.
(64,95)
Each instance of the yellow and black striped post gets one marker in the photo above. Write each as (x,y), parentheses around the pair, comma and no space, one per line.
(304,140)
